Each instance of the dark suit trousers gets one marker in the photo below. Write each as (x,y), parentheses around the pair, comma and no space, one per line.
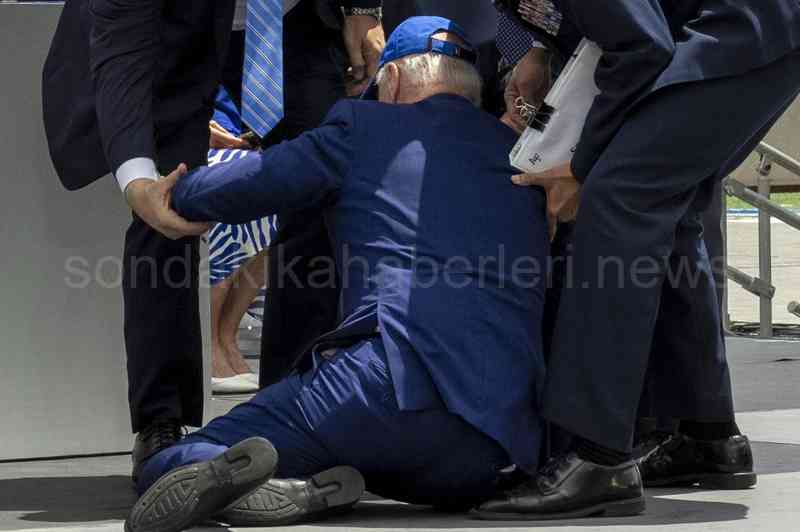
(296,313)
(302,295)
(642,295)
(233,70)
(162,327)
(715,240)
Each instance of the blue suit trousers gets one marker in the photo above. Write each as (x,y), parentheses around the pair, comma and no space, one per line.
(344,412)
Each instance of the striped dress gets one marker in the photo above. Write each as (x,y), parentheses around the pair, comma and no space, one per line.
(231,246)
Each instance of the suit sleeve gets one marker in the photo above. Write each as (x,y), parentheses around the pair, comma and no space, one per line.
(514,41)
(293,175)
(124,48)
(637,46)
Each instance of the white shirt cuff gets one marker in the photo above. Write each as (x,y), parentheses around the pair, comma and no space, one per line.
(133,169)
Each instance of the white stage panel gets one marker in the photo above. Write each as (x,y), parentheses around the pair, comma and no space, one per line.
(63,386)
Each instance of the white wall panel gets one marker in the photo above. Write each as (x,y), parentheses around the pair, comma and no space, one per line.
(63,386)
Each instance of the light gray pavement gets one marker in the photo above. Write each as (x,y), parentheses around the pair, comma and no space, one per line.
(743,254)
(95,494)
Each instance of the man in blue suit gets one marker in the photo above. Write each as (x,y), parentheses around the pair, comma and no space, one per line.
(688,89)
(429,385)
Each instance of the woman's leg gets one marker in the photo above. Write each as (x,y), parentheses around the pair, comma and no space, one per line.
(246,283)
(219,295)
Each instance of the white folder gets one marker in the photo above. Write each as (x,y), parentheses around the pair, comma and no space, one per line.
(553,133)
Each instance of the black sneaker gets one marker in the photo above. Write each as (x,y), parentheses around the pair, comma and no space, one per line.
(162,433)
(285,502)
(191,494)
(685,461)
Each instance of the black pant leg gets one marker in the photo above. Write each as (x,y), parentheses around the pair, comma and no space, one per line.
(396,12)
(302,294)
(163,338)
(557,440)
(714,239)
(233,70)
(653,414)
(302,297)
(688,370)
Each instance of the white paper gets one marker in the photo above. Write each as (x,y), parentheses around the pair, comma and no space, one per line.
(570,100)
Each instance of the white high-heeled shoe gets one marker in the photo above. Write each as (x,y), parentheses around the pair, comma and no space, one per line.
(252,377)
(233,385)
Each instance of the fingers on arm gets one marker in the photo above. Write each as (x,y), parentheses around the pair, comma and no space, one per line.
(529,180)
(174,226)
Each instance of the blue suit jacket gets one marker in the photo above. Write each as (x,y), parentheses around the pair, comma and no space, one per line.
(651,44)
(436,249)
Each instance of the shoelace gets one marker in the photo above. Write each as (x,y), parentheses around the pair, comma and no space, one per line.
(547,472)
(165,433)
(660,456)
(553,466)
(652,442)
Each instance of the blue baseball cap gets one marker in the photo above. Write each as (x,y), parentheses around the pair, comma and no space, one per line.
(415,36)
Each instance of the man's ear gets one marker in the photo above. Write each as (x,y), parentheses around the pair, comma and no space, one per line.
(390,89)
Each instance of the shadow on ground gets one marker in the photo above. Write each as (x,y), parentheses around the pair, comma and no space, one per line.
(395,516)
(94,499)
(67,499)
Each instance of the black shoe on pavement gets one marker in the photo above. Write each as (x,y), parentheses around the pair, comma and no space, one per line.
(161,434)
(684,461)
(191,494)
(650,443)
(569,487)
(285,502)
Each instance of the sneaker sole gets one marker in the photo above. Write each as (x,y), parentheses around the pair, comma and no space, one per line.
(626,508)
(193,493)
(714,481)
(330,492)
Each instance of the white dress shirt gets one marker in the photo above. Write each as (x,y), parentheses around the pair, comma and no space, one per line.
(144,167)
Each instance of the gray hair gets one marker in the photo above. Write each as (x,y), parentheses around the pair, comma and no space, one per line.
(429,69)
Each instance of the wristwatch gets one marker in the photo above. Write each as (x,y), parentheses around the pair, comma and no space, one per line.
(376,12)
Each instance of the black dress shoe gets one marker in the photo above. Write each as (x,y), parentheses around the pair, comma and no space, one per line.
(650,443)
(161,434)
(684,461)
(286,502)
(191,494)
(569,487)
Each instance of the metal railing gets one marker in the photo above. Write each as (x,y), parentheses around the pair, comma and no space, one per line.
(762,286)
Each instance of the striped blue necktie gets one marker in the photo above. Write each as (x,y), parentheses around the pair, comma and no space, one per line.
(262,91)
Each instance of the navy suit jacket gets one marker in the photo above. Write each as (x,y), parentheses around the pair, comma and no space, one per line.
(436,248)
(137,78)
(132,78)
(651,44)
